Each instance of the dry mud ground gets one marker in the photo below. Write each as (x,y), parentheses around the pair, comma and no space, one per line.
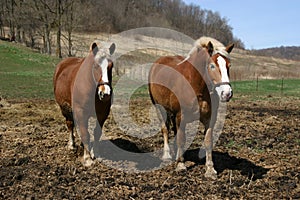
(256,157)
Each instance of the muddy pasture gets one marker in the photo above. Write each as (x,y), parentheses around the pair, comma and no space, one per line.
(256,157)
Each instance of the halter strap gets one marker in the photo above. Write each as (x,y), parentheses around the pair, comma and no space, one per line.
(213,88)
(101,95)
(222,83)
(104,83)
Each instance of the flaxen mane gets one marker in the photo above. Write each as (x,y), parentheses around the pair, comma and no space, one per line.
(218,46)
(202,43)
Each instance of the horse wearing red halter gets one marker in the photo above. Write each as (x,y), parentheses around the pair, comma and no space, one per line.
(186,89)
(82,88)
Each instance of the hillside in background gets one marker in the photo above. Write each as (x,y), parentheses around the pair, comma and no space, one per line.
(48,25)
(26,73)
(138,51)
(292,53)
(247,66)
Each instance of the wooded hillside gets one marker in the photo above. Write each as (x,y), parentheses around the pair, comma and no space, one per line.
(54,21)
(291,53)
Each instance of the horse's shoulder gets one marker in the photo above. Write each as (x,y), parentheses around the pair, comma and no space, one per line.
(170,60)
(73,61)
(70,63)
(67,66)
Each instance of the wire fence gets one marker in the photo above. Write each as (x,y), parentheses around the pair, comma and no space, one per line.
(268,87)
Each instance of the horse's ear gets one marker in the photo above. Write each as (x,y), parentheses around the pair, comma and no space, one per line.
(95,48)
(112,48)
(210,48)
(229,48)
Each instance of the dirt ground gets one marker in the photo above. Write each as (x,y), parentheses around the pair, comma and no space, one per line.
(256,157)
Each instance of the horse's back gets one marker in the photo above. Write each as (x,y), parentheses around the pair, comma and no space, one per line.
(63,81)
(66,69)
(171,61)
(162,66)
(161,79)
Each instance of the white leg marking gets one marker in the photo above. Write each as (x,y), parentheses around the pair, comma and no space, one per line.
(166,155)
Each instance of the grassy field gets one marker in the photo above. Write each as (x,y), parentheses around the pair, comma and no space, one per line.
(268,88)
(27,74)
(257,89)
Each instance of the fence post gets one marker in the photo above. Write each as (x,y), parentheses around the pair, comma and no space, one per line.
(281,86)
(256,83)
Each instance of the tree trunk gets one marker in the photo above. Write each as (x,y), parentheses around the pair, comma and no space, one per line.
(70,20)
(58,39)
(47,39)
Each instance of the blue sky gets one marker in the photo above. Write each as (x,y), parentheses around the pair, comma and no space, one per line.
(259,23)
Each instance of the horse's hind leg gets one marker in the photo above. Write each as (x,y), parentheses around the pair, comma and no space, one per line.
(165,131)
(71,143)
(67,113)
(164,119)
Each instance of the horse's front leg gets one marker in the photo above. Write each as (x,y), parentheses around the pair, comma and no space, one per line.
(208,143)
(180,141)
(85,139)
(95,151)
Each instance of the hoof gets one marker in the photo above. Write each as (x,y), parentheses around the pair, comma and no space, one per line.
(88,162)
(166,158)
(71,146)
(180,167)
(211,174)
(165,163)
(92,153)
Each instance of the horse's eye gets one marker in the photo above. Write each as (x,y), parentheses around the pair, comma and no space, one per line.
(212,66)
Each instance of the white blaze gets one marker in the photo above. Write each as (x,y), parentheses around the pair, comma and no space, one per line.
(223,68)
(224,91)
(104,66)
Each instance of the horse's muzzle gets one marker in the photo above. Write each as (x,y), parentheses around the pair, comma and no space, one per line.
(104,89)
(224,91)
(101,95)
(225,97)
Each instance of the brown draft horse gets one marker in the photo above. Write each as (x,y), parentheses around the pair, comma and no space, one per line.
(186,89)
(82,88)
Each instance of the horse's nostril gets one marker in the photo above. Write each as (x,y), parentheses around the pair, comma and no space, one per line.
(101,95)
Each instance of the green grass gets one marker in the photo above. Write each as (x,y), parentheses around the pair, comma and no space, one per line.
(265,89)
(268,88)
(25,73)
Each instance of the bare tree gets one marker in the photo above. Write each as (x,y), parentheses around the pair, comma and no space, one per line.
(59,27)
(43,13)
(32,21)
(70,21)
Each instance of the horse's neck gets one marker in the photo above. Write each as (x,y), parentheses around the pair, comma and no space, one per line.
(199,60)
(85,78)
(87,69)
